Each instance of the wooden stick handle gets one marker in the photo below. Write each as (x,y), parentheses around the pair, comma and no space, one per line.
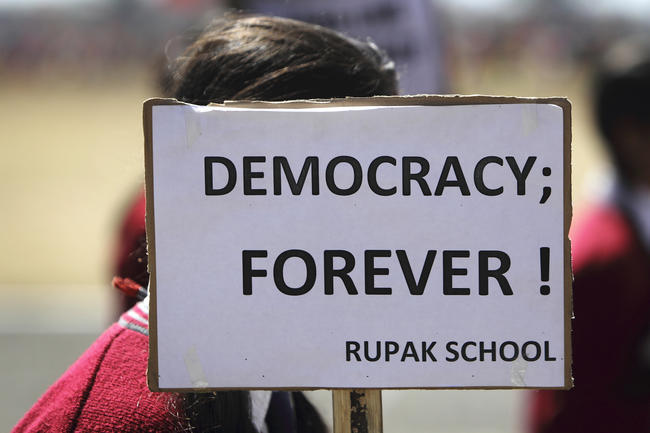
(357,411)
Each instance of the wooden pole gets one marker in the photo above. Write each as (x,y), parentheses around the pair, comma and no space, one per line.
(357,411)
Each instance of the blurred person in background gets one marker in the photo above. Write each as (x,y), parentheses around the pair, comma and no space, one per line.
(235,58)
(611,263)
(129,257)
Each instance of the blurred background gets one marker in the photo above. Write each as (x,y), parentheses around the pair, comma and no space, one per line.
(74,73)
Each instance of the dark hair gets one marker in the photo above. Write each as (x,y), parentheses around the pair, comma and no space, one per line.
(621,91)
(272,59)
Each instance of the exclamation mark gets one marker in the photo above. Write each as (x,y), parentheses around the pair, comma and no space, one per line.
(544,254)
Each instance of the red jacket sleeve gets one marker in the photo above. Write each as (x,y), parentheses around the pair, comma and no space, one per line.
(105,390)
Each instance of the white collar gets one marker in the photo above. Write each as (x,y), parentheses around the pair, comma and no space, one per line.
(144,304)
(260,401)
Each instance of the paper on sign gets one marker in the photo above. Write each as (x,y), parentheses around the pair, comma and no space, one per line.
(403,245)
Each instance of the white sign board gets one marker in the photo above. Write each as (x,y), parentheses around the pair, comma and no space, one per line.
(408,30)
(373,243)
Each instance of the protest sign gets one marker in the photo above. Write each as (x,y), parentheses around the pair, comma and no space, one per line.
(389,242)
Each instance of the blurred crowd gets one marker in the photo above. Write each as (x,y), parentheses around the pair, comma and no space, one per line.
(96,36)
(105,34)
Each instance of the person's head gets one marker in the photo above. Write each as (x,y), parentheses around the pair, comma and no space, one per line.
(273,59)
(622,102)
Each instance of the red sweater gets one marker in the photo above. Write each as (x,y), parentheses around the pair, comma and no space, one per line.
(612,322)
(105,390)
